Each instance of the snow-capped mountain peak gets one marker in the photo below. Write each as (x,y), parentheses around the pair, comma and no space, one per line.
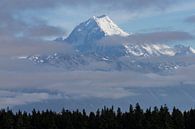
(108,26)
(121,53)
(95,28)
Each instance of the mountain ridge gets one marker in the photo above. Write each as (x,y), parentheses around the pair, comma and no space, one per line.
(86,35)
(90,54)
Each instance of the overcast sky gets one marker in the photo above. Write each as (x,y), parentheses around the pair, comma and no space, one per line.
(27,27)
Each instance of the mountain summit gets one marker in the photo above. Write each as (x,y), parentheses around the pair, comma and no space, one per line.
(94,29)
(86,35)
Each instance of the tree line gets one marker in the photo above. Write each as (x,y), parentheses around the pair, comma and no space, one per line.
(105,118)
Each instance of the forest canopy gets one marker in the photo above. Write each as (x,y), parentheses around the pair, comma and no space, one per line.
(105,118)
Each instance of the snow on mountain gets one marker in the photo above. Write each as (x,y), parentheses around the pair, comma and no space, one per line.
(86,35)
(149,50)
(183,50)
(108,26)
(91,55)
(94,29)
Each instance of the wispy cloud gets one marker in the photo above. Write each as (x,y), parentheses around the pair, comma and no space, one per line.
(153,37)
(130,4)
(13,47)
(164,36)
(11,98)
(190,19)
(80,84)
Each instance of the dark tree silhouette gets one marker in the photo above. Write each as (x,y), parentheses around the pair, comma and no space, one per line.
(106,118)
